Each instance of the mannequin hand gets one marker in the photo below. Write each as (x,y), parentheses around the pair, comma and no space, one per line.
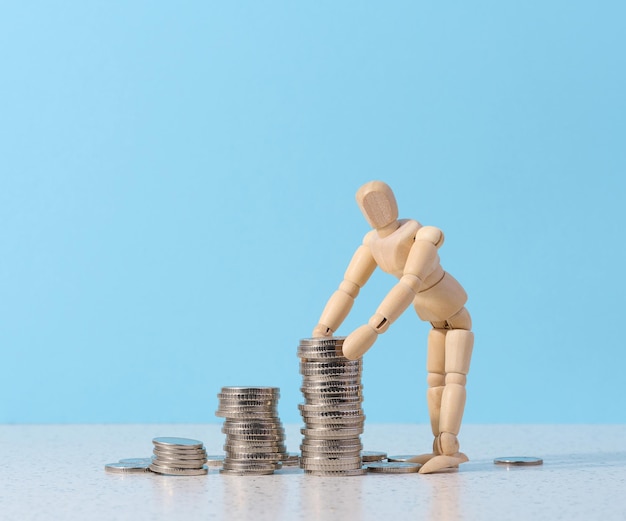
(321,331)
(358,342)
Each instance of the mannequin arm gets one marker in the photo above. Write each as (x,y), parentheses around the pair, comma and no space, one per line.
(422,260)
(340,303)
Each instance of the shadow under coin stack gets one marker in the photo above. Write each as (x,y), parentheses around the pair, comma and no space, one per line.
(332,413)
(179,457)
(255,438)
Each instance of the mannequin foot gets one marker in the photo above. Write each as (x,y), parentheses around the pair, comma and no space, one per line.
(442,462)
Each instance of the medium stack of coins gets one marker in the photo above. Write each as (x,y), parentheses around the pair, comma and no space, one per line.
(255,438)
(179,456)
(332,413)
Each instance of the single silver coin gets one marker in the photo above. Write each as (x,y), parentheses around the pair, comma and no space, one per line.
(179,456)
(255,439)
(136,460)
(247,415)
(248,472)
(179,463)
(344,460)
(247,427)
(518,461)
(335,421)
(291,459)
(244,449)
(247,408)
(310,443)
(177,442)
(245,466)
(250,391)
(331,434)
(255,456)
(331,453)
(179,472)
(215,460)
(330,388)
(403,457)
(371,456)
(232,401)
(337,473)
(127,468)
(330,466)
(323,341)
(392,467)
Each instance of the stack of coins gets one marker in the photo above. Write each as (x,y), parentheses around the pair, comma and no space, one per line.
(332,413)
(255,438)
(179,456)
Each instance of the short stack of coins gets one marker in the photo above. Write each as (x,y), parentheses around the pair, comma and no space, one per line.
(255,438)
(332,413)
(179,457)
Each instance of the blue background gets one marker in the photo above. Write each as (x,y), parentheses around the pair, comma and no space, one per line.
(177,188)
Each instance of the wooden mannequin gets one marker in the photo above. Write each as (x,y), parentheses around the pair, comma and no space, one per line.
(409,251)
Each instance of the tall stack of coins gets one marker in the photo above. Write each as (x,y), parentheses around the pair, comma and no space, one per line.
(255,438)
(179,456)
(332,413)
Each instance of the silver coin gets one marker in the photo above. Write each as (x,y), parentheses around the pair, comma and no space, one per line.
(354,446)
(392,467)
(177,442)
(231,401)
(251,439)
(179,464)
(333,418)
(253,423)
(247,414)
(247,408)
(331,387)
(249,472)
(334,423)
(231,448)
(127,467)
(166,457)
(171,471)
(179,448)
(252,427)
(246,466)
(355,401)
(331,454)
(335,465)
(179,456)
(327,364)
(371,456)
(291,459)
(237,442)
(331,434)
(337,473)
(518,461)
(322,341)
(255,456)
(321,368)
(215,460)
(400,458)
(332,409)
(136,460)
(250,391)
(344,380)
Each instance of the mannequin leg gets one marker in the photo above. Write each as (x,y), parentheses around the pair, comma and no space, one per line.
(458,352)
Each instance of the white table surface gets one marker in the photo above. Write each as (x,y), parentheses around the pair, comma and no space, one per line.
(56,472)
